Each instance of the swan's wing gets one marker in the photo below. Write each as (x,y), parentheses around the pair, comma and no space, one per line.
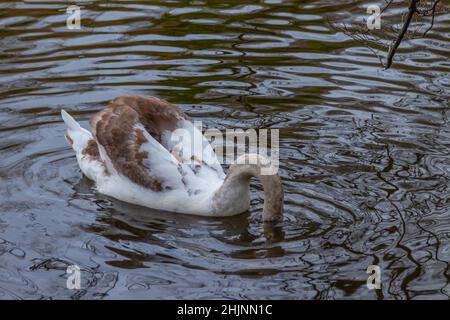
(189,146)
(129,135)
(131,149)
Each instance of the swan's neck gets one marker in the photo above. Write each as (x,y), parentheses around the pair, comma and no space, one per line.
(233,196)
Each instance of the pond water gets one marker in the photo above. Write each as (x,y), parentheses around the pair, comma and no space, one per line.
(364,152)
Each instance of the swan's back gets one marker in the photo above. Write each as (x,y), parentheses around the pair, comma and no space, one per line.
(128,133)
(133,139)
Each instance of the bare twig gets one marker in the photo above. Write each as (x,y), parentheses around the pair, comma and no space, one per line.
(361,35)
(411,10)
(376,44)
(433,13)
(389,2)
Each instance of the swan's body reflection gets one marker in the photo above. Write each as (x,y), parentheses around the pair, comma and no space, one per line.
(128,223)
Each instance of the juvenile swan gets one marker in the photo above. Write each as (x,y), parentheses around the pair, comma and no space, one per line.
(131,156)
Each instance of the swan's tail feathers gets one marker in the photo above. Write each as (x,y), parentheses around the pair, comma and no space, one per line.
(70,122)
(76,136)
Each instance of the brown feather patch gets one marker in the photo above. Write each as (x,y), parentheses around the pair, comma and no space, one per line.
(156,115)
(91,150)
(114,129)
(140,140)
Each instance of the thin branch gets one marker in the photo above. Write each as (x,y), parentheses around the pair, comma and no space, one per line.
(361,36)
(416,9)
(411,10)
(433,13)
(386,6)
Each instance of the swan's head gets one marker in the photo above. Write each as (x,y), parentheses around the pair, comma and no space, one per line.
(254,165)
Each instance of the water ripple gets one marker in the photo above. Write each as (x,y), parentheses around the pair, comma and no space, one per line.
(364,152)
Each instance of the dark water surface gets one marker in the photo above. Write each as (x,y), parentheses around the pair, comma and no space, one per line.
(365,155)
